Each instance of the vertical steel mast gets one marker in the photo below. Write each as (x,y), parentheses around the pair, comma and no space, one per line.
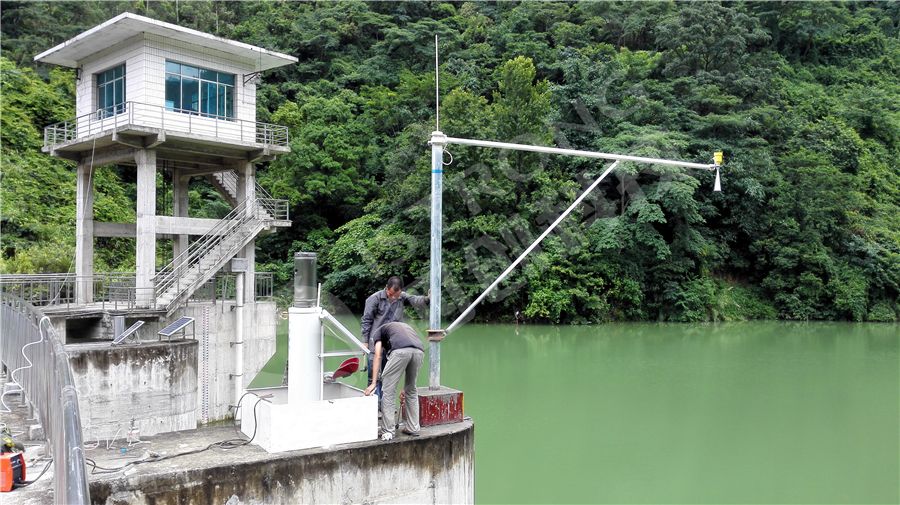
(435,332)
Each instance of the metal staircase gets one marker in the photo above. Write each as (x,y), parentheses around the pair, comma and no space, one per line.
(226,182)
(175,282)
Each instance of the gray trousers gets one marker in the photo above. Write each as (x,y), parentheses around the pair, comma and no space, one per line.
(409,360)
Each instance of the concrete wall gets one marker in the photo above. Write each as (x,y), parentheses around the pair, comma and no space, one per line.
(167,386)
(217,323)
(152,385)
(435,468)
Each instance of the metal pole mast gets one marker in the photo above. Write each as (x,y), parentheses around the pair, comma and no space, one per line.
(438,141)
(435,333)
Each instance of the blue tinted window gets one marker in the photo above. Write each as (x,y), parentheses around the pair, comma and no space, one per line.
(173,91)
(195,89)
(229,101)
(221,93)
(208,103)
(189,71)
(111,91)
(190,94)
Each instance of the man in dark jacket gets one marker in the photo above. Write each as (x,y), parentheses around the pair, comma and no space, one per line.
(385,306)
(405,353)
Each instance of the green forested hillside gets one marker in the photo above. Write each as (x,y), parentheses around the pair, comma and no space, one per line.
(803,98)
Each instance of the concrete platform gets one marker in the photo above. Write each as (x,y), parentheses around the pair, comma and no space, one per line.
(435,467)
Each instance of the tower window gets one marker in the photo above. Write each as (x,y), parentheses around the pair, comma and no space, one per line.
(195,90)
(111,92)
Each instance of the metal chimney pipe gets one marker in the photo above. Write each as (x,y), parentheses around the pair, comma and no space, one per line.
(305,279)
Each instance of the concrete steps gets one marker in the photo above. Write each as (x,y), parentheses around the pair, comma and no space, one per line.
(226,184)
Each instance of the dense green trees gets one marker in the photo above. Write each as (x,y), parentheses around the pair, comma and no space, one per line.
(804,98)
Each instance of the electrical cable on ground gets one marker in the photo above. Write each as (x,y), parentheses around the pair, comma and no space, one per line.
(224,445)
(28,483)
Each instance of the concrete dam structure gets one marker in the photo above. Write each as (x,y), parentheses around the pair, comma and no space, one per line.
(160,358)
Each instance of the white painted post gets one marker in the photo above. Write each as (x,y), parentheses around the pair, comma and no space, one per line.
(304,348)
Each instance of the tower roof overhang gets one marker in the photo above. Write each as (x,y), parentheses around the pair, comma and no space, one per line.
(127,25)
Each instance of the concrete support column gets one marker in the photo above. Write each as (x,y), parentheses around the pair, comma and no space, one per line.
(84,233)
(179,208)
(145,239)
(246,190)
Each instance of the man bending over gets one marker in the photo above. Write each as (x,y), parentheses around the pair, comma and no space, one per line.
(403,347)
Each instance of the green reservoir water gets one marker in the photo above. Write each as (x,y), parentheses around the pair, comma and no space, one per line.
(662,413)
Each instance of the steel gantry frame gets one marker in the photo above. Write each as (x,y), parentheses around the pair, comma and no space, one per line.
(439,143)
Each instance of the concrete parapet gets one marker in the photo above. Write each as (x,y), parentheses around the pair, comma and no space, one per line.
(152,385)
(436,467)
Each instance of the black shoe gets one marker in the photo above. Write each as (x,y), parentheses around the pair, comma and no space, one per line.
(410,433)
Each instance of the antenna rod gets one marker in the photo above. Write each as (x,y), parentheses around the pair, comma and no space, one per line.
(437,88)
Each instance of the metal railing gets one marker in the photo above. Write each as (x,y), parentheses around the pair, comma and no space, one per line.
(221,243)
(113,291)
(110,290)
(32,350)
(223,287)
(173,120)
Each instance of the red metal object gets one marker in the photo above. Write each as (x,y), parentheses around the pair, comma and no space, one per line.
(347,368)
(12,471)
(440,406)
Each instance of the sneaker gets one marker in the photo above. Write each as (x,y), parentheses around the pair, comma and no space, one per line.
(411,433)
(387,435)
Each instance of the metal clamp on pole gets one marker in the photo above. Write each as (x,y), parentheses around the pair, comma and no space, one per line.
(436,335)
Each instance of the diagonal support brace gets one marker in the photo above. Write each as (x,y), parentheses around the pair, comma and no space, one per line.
(530,248)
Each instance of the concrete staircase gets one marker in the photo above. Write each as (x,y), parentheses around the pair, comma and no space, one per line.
(175,282)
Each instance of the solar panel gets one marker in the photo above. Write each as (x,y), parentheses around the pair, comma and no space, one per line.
(177,326)
(129,332)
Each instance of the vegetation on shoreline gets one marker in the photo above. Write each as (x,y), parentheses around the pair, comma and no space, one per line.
(803,98)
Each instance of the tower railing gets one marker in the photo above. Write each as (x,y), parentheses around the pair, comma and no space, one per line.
(172,120)
(32,351)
